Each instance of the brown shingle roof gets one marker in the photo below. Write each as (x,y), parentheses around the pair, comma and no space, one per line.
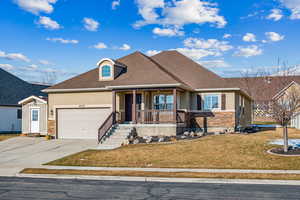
(263,88)
(190,72)
(140,71)
(168,67)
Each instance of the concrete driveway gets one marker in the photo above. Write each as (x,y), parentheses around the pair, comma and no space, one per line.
(23,152)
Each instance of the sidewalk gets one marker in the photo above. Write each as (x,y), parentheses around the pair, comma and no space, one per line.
(165,180)
(248,171)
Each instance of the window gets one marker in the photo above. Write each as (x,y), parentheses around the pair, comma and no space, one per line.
(163,102)
(19,114)
(106,71)
(35,115)
(211,102)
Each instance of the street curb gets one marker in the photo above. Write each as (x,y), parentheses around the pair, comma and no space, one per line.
(163,180)
(247,171)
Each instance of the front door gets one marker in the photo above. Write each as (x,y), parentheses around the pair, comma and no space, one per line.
(128,107)
(35,120)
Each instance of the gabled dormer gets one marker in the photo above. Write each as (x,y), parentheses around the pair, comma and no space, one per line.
(110,69)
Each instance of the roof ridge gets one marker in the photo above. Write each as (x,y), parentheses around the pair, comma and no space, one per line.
(164,70)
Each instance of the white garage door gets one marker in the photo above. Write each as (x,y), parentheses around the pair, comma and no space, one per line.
(81,123)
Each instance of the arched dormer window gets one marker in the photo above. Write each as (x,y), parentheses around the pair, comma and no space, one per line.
(106,71)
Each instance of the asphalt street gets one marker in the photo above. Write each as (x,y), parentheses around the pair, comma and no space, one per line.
(60,189)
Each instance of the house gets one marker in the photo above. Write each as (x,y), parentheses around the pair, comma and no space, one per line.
(165,94)
(12,90)
(34,112)
(269,86)
(290,94)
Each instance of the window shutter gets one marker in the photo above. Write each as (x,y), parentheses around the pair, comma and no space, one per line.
(199,102)
(223,106)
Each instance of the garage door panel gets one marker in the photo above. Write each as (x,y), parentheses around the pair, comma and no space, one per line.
(81,123)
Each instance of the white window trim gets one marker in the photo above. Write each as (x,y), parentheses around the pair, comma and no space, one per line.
(106,77)
(219,101)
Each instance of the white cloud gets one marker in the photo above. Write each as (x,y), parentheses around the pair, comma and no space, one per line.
(293,6)
(125,47)
(179,13)
(147,9)
(249,37)
(274,37)
(115,4)
(152,52)
(225,36)
(48,23)
(90,24)
(100,45)
(248,51)
(7,67)
(169,32)
(45,62)
(214,63)
(63,41)
(196,54)
(276,15)
(212,44)
(36,6)
(197,48)
(14,56)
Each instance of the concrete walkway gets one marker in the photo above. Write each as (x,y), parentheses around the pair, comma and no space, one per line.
(248,171)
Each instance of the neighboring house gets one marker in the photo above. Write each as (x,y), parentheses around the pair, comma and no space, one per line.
(293,87)
(262,90)
(12,90)
(34,112)
(165,94)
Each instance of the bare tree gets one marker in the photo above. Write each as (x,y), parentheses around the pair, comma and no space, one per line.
(284,107)
(49,77)
(263,86)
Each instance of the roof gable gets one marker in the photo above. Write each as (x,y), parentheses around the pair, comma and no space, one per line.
(189,71)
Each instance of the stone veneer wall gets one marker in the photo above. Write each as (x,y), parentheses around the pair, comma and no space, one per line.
(52,128)
(217,121)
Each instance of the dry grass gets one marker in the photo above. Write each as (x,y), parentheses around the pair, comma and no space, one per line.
(222,151)
(7,136)
(164,174)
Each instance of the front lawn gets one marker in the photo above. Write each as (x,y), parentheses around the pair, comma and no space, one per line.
(7,136)
(231,151)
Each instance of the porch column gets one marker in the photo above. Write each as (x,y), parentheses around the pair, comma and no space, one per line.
(175,105)
(134,107)
(114,106)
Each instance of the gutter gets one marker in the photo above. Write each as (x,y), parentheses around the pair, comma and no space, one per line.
(144,86)
(224,89)
(75,90)
(109,88)
(217,89)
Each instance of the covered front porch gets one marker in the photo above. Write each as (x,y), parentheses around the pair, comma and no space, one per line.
(148,106)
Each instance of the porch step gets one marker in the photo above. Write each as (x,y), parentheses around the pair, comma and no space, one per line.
(115,137)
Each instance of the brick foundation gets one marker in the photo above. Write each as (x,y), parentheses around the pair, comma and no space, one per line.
(52,128)
(214,121)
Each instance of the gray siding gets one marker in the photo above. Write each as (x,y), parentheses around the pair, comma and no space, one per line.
(26,122)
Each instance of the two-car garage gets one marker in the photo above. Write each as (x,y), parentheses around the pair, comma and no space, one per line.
(81,123)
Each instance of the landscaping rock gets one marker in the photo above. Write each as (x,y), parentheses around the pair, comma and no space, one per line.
(186,133)
(126,142)
(136,141)
(149,140)
(161,139)
(193,134)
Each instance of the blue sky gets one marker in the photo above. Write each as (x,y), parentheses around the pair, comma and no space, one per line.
(40,38)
